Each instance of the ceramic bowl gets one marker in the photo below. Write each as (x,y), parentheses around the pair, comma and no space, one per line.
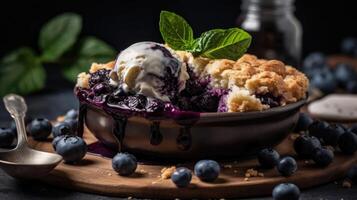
(212,135)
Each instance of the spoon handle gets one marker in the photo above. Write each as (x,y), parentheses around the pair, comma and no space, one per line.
(17,108)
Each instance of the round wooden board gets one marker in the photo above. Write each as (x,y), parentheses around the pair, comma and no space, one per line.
(95,175)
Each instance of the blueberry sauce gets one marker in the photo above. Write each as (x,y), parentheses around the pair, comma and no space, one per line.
(184,108)
(269,99)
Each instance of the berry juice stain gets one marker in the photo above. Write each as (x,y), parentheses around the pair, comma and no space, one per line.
(184,140)
(155,134)
(81,115)
(119,129)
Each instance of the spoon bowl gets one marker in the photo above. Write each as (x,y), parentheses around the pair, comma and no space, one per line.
(28,163)
(23,161)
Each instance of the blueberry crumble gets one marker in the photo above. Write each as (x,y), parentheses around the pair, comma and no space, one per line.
(210,73)
(151,78)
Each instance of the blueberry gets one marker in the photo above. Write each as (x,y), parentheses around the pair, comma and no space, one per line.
(324,81)
(351,87)
(124,163)
(136,102)
(154,105)
(206,102)
(184,103)
(56,140)
(101,88)
(303,123)
(268,158)
(286,191)
(353,129)
(120,92)
(305,146)
(287,166)
(311,72)
(99,76)
(72,123)
(352,174)
(348,143)
(207,170)
(323,157)
(71,114)
(181,177)
(71,148)
(268,99)
(318,128)
(40,128)
(349,46)
(62,128)
(314,60)
(344,74)
(332,134)
(6,137)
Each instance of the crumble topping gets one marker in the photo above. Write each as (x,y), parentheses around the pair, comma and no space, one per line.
(240,100)
(252,173)
(258,76)
(166,172)
(83,80)
(206,85)
(96,66)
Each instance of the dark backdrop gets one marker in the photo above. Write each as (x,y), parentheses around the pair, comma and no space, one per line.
(121,23)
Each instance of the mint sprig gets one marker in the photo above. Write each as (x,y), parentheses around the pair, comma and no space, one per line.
(175,31)
(215,44)
(23,70)
(219,43)
(59,35)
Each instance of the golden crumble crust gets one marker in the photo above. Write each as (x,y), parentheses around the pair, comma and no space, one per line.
(244,79)
(240,100)
(83,80)
(96,66)
(266,82)
(258,76)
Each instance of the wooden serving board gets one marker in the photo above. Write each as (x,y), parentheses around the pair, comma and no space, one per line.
(95,175)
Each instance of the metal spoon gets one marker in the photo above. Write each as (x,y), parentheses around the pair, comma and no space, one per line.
(23,161)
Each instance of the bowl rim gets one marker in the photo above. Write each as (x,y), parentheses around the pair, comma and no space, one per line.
(238,116)
(211,117)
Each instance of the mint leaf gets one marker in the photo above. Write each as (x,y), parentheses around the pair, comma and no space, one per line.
(21,72)
(91,50)
(219,43)
(175,31)
(58,35)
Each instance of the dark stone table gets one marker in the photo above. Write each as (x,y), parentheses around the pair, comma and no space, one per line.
(51,105)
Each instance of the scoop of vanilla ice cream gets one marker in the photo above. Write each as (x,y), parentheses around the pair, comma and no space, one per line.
(150,69)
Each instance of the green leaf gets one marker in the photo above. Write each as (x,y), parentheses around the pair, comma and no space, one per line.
(21,72)
(219,43)
(58,35)
(91,50)
(175,31)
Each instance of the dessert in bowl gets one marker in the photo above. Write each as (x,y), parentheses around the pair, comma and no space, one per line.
(167,102)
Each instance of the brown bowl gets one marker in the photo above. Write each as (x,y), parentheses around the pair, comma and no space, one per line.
(212,135)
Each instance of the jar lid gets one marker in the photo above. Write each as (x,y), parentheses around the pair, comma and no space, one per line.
(266,4)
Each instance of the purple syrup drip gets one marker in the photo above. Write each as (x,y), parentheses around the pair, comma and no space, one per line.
(100,149)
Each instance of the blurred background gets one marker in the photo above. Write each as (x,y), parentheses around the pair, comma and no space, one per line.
(123,22)
(324,24)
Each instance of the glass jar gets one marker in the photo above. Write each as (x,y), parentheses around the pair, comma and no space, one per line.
(276,33)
